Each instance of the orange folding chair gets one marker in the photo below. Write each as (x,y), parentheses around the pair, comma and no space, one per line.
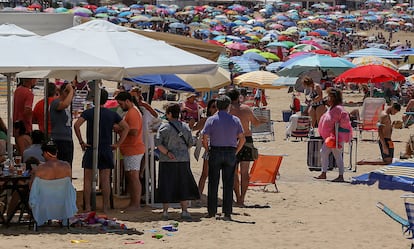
(265,170)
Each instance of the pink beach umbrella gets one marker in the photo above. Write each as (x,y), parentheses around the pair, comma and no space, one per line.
(236,46)
(312,42)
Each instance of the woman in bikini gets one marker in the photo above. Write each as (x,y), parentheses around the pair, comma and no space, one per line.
(315,100)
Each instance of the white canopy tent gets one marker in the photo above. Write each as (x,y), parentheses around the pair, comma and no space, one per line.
(136,54)
(23,50)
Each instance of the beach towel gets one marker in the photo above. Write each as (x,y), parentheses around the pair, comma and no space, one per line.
(326,127)
(52,199)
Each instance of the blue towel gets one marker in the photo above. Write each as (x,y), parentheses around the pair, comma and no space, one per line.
(52,199)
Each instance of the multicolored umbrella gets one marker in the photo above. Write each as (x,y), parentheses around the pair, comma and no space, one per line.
(374,60)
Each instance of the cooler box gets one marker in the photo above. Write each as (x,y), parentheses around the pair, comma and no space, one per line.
(286,115)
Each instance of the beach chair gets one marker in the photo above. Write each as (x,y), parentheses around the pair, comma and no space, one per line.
(52,200)
(371,110)
(264,171)
(261,132)
(298,127)
(407,225)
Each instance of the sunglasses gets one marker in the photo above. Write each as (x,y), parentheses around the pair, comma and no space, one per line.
(213,106)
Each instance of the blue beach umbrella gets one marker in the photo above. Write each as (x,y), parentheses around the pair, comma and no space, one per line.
(170,81)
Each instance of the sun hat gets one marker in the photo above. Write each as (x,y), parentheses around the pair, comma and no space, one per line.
(222,91)
(189,95)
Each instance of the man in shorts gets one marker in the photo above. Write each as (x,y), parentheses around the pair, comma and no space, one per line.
(385,142)
(132,149)
(107,120)
(244,157)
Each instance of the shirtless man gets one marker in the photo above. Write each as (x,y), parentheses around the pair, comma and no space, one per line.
(246,116)
(384,133)
(53,168)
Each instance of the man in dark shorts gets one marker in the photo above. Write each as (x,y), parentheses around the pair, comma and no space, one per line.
(244,157)
(386,145)
(107,120)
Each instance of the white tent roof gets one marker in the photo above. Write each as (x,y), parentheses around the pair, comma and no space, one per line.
(137,54)
(23,50)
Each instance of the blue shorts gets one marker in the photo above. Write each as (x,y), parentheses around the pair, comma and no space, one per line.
(105,158)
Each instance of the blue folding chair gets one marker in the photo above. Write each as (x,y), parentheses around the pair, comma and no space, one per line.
(407,225)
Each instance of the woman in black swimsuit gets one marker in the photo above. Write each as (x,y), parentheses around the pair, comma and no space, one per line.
(315,100)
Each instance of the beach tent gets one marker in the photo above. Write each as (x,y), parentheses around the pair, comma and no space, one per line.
(136,54)
(23,50)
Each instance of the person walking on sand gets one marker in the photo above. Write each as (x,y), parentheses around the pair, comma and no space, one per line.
(385,142)
(336,115)
(223,138)
(133,148)
(244,156)
(107,120)
(314,99)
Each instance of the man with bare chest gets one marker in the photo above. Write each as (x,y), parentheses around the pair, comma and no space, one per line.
(247,117)
(386,145)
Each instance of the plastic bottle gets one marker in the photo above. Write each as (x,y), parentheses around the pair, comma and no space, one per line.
(157,236)
(6,168)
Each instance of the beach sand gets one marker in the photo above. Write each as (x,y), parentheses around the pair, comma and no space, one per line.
(306,213)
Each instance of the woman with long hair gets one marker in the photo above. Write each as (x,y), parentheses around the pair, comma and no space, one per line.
(334,137)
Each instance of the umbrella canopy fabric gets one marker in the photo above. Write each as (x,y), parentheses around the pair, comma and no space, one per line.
(42,54)
(254,56)
(374,60)
(370,74)
(257,79)
(169,81)
(136,54)
(207,82)
(396,176)
(382,53)
(334,64)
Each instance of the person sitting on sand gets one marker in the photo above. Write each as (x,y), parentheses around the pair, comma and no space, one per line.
(384,133)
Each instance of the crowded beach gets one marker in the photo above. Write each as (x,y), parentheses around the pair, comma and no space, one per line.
(175,166)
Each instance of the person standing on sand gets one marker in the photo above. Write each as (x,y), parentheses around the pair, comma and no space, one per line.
(61,121)
(23,102)
(385,142)
(223,138)
(335,115)
(107,120)
(133,148)
(247,117)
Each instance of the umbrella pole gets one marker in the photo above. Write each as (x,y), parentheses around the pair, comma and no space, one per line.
(9,116)
(46,108)
(95,145)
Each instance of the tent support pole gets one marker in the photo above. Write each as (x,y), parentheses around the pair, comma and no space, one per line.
(9,115)
(95,144)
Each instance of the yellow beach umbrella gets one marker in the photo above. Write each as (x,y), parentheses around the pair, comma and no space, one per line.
(257,79)
(206,82)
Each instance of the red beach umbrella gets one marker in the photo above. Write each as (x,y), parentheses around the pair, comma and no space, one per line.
(370,74)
